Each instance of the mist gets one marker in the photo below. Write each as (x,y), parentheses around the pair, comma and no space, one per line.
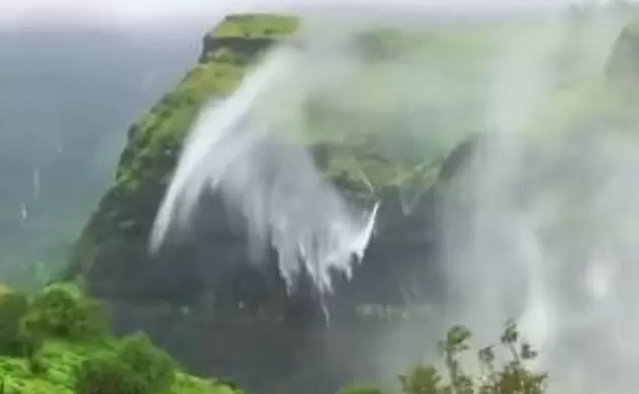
(150,14)
(538,226)
(68,97)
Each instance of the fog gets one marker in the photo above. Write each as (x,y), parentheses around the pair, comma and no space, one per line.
(149,13)
(68,97)
(535,228)
(69,93)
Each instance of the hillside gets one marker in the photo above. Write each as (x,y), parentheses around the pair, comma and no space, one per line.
(369,156)
(403,139)
(45,350)
(63,358)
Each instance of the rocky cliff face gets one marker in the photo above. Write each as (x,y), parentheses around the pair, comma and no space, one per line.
(202,290)
(111,254)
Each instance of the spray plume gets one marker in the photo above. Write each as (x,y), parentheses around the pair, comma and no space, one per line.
(538,227)
(244,151)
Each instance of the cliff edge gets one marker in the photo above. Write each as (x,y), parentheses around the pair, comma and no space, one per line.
(111,254)
(246,308)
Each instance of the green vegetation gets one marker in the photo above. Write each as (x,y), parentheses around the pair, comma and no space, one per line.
(61,356)
(513,377)
(56,342)
(256,26)
(14,339)
(162,130)
(156,138)
(61,311)
(463,51)
(159,133)
(361,147)
(136,367)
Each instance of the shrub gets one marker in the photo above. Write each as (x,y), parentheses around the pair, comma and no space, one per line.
(155,367)
(357,389)
(225,55)
(107,375)
(36,364)
(514,377)
(137,367)
(15,339)
(62,310)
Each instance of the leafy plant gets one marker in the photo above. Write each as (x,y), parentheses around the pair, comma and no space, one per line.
(514,377)
(357,389)
(36,364)
(136,367)
(63,311)
(107,375)
(152,364)
(15,338)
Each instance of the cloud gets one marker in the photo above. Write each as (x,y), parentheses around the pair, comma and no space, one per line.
(30,13)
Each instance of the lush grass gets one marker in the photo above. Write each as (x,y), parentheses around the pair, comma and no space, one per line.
(70,334)
(61,361)
(160,132)
(256,26)
(447,70)
(63,358)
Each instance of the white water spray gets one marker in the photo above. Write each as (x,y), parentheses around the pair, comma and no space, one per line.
(542,229)
(242,153)
(546,233)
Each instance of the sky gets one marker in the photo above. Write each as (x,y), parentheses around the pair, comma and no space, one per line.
(31,13)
